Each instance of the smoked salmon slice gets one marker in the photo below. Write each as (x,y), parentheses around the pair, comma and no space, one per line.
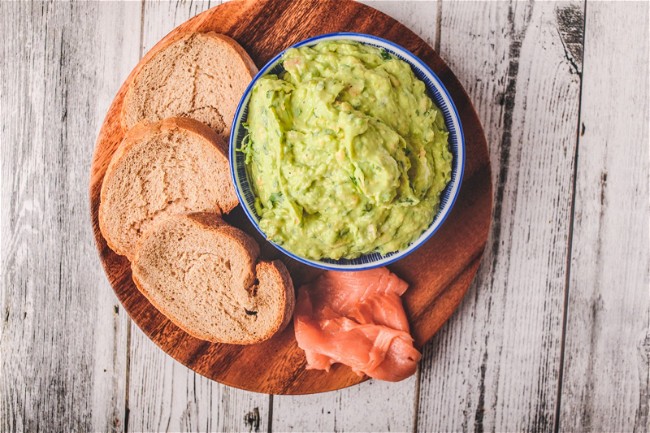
(357,319)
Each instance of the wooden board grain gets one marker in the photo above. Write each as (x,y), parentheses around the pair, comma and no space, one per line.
(439,273)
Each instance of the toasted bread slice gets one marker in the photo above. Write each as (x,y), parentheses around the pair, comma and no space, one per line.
(203,275)
(201,76)
(177,165)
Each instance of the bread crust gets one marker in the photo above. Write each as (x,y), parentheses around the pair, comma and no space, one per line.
(288,294)
(240,56)
(277,269)
(275,272)
(248,62)
(211,221)
(145,131)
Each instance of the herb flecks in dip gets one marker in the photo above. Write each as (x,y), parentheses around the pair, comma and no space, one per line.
(346,152)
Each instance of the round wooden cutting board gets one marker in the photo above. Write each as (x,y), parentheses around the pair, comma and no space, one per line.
(438,273)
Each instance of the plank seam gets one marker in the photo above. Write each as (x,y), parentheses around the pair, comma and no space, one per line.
(502,177)
(416,402)
(129,322)
(270,420)
(565,311)
(438,26)
(127,375)
(142,9)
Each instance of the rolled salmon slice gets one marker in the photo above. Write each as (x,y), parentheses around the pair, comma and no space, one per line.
(356,319)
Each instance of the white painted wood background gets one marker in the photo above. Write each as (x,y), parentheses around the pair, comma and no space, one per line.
(554,334)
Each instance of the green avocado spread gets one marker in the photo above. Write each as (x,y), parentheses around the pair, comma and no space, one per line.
(346,152)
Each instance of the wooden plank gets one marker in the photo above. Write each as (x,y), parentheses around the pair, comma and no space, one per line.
(495,365)
(372,405)
(163,394)
(166,396)
(421,16)
(115,58)
(607,353)
(62,339)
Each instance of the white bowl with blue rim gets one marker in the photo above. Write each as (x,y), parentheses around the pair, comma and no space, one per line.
(436,91)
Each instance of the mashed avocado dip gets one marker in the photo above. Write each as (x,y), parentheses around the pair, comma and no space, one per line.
(346,152)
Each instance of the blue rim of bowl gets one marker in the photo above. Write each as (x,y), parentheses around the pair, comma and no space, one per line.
(441,214)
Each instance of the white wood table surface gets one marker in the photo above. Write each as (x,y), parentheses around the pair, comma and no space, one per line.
(554,334)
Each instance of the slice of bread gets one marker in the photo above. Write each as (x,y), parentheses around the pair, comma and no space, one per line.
(177,165)
(201,75)
(203,275)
